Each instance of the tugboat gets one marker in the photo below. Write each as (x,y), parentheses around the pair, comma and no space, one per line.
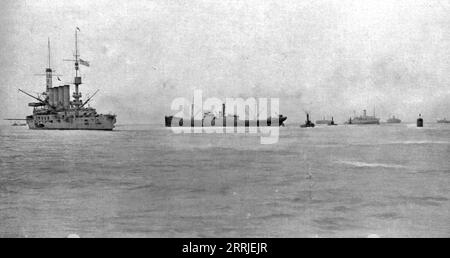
(55,110)
(393,120)
(308,122)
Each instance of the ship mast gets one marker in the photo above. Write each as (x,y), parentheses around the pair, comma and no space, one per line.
(48,44)
(48,71)
(77,79)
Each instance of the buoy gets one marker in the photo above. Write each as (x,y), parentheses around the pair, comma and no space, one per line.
(420,121)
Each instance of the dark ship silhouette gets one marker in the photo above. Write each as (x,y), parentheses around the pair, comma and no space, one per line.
(222,120)
(308,122)
(332,121)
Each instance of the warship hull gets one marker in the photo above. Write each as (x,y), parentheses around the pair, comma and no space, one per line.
(54,122)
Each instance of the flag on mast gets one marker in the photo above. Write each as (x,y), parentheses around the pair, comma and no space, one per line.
(83,62)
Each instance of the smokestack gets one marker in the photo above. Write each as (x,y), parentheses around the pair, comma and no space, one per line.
(50,96)
(66,96)
(61,95)
(54,92)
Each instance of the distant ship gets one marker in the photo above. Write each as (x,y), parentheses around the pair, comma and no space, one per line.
(443,121)
(55,110)
(221,120)
(364,119)
(332,122)
(393,120)
(308,122)
(16,123)
(323,121)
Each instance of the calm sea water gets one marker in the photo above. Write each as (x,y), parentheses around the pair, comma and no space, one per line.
(145,181)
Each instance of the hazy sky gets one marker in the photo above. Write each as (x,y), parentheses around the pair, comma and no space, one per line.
(327,57)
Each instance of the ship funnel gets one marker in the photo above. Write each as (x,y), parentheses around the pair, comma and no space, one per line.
(66,96)
(54,96)
(50,97)
(60,96)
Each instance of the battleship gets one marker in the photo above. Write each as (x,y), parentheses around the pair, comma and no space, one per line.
(364,119)
(393,120)
(55,110)
(222,120)
(443,121)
